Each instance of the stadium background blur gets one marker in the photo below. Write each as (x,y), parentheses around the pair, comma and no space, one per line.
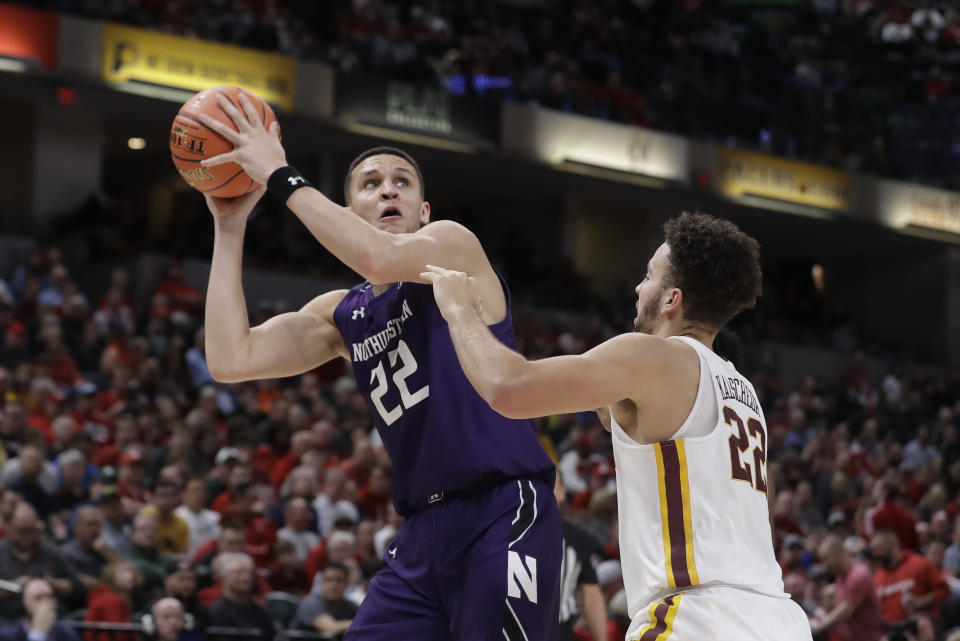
(563,132)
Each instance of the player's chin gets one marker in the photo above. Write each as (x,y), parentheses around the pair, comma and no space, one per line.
(394,224)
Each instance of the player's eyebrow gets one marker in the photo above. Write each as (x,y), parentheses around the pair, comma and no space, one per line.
(375,170)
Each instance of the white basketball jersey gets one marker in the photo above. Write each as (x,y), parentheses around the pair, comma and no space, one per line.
(693,511)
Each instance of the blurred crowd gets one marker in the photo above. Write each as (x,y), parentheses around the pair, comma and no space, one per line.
(134,485)
(865,85)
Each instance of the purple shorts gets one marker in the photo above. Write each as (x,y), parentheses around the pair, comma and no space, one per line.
(480,567)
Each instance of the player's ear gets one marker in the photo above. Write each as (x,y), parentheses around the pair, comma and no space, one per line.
(424,213)
(673,301)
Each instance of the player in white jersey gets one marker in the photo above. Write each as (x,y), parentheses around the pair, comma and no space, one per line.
(689,436)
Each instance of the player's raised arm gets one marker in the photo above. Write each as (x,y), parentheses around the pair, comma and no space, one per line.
(363,241)
(283,346)
(518,388)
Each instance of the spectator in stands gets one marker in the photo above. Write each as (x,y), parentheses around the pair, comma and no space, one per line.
(232,538)
(27,480)
(73,491)
(130,470)
(114,527)
(890,515)
(301,483)
(288,573)
(203,523)
(239,478)
(24,554)
(168,619)
(181,584)
(366,541)
(341,546)
(919,453)
(182,297)
(13,424)
(114,600)
(300,443)
(88,552)
(855,615)
(951,556)
(296,530)
(374,496)
(333,499)
(172,531)
(40,620)
(804,510)
(236,608)
(326,610)
(145,551)
(907,583)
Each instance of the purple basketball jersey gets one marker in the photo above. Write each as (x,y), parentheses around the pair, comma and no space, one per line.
(440,434)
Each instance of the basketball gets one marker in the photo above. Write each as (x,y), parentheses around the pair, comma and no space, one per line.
(191,141)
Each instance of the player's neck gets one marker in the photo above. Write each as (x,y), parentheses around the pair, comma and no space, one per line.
(379,289)
(680,327)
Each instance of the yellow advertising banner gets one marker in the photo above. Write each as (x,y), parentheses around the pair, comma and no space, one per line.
(903,205)
(743,173)
(175,61)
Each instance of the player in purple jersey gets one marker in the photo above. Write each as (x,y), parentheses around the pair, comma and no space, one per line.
(478,555)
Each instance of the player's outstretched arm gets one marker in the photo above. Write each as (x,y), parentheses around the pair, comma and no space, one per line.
(378,256)
(518,388)
(283,346)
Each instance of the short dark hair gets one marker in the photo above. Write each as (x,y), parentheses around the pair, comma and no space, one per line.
(336,565)
(382,150)
(715,265)
(164,484)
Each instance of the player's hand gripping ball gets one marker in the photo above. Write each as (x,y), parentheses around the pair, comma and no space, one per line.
(192,141)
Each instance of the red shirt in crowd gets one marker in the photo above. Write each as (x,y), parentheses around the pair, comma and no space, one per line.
(207,596)
(891,516)
(282,469)
(857,589)
(106,606)
(914,575)
(374,506)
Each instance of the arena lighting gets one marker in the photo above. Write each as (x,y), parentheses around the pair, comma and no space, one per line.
(136,143)
(605,173)
(13,65)
(816,273)
(405,136)
(763,202)
(154,91)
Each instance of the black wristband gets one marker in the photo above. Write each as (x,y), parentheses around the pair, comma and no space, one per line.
(284,181)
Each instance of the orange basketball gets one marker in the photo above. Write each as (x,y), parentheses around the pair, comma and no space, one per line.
(191,141)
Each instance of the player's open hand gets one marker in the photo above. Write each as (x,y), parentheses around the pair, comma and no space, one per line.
(455,292)
(256,149)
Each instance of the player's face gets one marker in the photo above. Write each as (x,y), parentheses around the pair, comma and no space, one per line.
(650,291)
(385,192)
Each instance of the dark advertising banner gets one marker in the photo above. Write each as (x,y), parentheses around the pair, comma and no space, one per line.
(428,111)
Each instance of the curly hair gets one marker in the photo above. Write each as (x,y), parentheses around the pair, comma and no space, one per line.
(715,265)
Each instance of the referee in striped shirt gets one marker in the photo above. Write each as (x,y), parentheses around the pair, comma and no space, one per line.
(578,575)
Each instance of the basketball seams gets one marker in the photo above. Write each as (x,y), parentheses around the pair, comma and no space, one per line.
(227,96)
(191,127)
(182,159)
(221,185)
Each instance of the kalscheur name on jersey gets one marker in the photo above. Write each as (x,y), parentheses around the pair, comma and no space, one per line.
(737,389)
